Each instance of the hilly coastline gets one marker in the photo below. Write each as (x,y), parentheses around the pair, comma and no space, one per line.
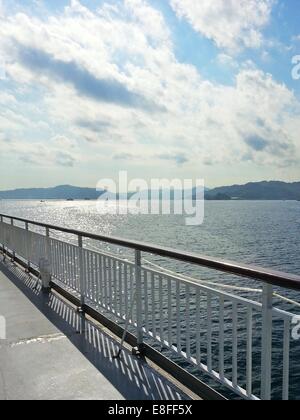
(265,190)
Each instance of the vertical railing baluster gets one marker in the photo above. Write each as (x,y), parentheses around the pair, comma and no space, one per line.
(188,322)
(108,271)
(46,278)
(249,351)
(267,327)
(54,259)
(91,279)
(94,277)
(138,285)
(126,287)
(89,283)
(153,305)
(99,286)
(132,293)
(234,344)
(161,316)
(221,337)
(81,271)
(209,332)
(89,275)
(59,261)
(113,268)
(75,269)
(94,285)
(286,359)
(146,300)
(85,264)
(70,265)
(169,313)
(120,277)
(72,271)
(178,304)
(27,248)
(13,252)
(68,259)
(63,263)
(105,285)
(61,257)
(198,326)
(73,265)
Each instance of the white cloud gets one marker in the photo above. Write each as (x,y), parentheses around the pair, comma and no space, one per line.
(227,61)
(7,98)
(231,24)
(41,153)
(255,119)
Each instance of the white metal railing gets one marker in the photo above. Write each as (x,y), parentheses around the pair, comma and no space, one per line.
(210,329)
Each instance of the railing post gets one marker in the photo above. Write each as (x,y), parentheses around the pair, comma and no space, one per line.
(1,221)
(13,252)
(3,245)
(81,273)
(28,262)
(45,265)
(138,279)
(266,356)
(3,248)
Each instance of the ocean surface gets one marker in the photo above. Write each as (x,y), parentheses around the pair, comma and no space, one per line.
(263,233)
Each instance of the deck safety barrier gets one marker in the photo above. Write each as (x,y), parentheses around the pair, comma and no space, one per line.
(210,329)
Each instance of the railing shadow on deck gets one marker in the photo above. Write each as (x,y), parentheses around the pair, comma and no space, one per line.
(96,345)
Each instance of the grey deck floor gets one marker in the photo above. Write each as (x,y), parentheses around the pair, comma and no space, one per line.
(44,356)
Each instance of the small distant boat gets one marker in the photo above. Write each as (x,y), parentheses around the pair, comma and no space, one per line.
(42,201)
(70,199)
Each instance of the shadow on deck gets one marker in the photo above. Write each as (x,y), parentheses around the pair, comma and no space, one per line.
(52,352)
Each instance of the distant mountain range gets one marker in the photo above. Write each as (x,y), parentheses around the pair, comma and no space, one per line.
(273,190)
(65,192)
(62,192)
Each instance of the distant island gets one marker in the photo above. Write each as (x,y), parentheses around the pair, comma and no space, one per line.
(61,192)
(272,190)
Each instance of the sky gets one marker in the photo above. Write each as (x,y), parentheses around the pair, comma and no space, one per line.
(160,88)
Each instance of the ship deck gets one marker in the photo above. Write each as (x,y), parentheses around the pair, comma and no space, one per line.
(52,352)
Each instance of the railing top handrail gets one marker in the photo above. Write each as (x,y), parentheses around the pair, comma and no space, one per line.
(277,278)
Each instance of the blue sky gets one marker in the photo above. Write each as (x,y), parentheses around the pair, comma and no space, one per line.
(168,88)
